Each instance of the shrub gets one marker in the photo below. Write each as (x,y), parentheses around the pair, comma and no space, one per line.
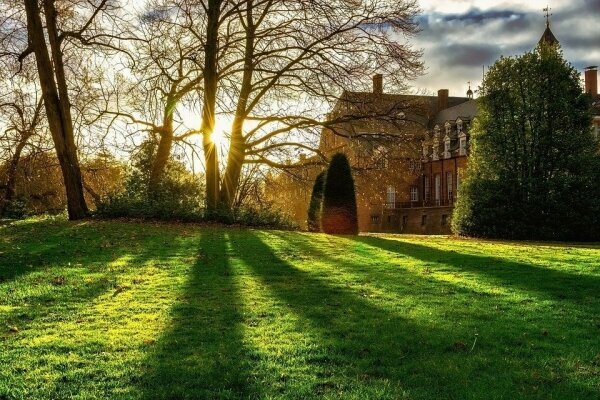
(338,214)
(15,209)
(313,219)
(179,195)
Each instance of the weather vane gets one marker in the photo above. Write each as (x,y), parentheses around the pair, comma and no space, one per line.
(548,15)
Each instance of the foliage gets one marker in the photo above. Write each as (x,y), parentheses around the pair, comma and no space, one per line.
(313,219)
(533,169)
(129,310)
(178,196)
(339,214)
(14,209)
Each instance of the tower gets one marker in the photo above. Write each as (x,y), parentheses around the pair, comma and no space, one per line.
(548,37)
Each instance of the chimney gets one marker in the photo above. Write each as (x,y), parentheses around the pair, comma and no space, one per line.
(591,80)
(378,84)
(443,99)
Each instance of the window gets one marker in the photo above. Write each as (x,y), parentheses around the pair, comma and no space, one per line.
(449,185)
(423,220)
(390,203)
(457,182)
(374,219)
(426,187)
(414,193)
(438,188)
(444,219)
(436,149)
(447,147)
(462,144)
(404,221)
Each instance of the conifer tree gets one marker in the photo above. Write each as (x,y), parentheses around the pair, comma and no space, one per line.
(338,213)
(313,219)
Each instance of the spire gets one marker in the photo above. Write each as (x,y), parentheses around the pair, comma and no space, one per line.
(547,11)
(548,37)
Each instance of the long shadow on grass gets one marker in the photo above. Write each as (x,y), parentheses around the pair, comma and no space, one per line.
(74,262)
(37,245)
(550,282)
(201,355)
(363,348)
(366,339)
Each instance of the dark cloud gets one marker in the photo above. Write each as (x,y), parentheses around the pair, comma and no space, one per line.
(469,55)
(477,16)
(457,45)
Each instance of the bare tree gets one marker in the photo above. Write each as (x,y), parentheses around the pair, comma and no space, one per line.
(295,60)
(21,110)
(55,33)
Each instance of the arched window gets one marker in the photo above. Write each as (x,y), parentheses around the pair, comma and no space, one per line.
(390,202)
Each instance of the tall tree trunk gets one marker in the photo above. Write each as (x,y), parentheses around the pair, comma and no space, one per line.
(163,152)
(211,159)
(235,162)
(237,146)
(56,102)
(11,175)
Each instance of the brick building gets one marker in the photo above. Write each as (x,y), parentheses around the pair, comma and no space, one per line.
(406,151)
(408,155)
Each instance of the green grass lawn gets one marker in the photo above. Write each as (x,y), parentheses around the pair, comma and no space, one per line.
(130,310)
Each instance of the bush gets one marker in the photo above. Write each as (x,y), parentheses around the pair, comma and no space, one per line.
(179,195)
(338,214)
(16,209)
(313,219)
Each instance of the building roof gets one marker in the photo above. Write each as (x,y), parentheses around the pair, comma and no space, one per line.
(465,111)
(416,108)
(548,37)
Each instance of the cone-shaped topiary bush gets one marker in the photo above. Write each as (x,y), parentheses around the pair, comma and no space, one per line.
(338,213)
(313,219)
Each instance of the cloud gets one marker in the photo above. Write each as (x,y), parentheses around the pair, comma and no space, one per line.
(460,36)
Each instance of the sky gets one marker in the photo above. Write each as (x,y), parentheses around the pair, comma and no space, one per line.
(459,37)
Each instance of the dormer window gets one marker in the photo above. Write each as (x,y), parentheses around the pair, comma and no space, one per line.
(425,150)
(459,125)
(448,127)
(436,149)
(447,147)
(462,144)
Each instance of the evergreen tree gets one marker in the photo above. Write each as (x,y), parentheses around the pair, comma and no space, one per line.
(533,168)
(338,213)
(313,219)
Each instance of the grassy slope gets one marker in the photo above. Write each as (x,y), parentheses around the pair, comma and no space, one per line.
(123,310)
